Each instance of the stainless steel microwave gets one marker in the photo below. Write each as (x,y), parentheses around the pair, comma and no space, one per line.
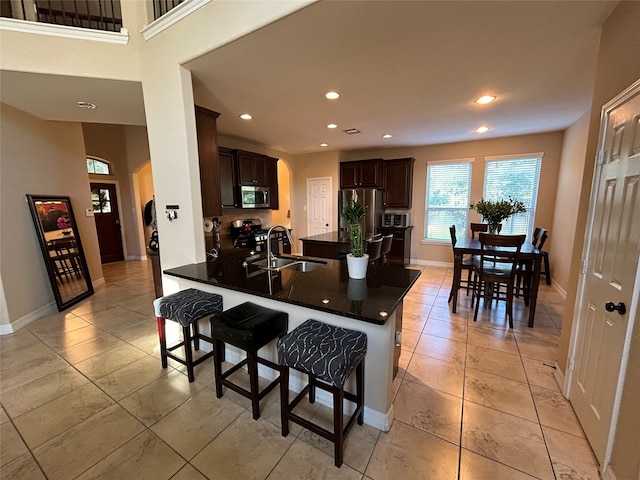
(254,197)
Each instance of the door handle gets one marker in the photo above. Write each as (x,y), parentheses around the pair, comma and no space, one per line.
(611,307)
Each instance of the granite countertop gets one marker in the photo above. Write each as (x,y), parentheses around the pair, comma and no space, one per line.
(327,288)
(331,237)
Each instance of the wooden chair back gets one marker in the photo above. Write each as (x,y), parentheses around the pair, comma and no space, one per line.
(477,228)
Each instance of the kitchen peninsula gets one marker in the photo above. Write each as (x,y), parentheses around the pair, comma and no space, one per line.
(326,293)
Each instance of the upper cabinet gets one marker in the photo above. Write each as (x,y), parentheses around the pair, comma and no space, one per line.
(398,182)
(207,133)
(271,170)
(252,168)
(228,178)
(361,174)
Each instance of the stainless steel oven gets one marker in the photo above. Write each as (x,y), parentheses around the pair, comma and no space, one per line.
(254,197)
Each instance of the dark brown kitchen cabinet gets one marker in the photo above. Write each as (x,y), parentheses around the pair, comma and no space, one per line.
(271,170)
(361,174)
(207,134)
(400,253)
(228,178)
(398,182)
(252,168)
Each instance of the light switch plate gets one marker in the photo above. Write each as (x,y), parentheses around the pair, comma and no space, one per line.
(88,212)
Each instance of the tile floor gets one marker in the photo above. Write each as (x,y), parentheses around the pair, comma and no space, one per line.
(83,396)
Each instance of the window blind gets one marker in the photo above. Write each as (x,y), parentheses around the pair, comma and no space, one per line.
(447,202)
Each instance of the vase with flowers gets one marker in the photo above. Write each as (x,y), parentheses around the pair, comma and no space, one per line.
(357,260)
(494,212)
(64,224)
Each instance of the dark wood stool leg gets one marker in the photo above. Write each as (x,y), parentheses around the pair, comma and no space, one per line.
(360,390)
(284,400)
(218,348)
(196,336)
(163,341)
(547,272)
(338,425)
(188,355)
(312,388)
(252,367)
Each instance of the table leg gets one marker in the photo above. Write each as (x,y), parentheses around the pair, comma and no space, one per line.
(457,272)
(535,282)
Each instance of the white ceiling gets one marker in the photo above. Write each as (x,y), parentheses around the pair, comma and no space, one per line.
(411,69)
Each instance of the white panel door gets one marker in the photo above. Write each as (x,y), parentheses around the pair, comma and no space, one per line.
(319,205)
(613,252)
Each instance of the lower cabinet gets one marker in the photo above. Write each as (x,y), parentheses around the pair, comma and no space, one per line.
(400,253)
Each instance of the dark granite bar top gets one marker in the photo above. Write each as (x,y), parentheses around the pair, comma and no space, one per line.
(327,288)
(331,237)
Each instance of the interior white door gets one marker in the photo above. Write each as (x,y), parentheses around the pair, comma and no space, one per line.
(613,253)
(319,205)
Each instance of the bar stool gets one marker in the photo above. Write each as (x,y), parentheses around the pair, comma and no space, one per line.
(328,355)
(186,308)
(248,327)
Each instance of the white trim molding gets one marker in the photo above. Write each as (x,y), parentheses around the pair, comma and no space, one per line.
(65,31)
(8,328)
(172,16)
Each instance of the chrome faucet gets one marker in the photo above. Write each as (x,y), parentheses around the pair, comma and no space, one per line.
(270,255)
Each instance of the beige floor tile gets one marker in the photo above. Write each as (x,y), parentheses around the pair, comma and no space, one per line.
(22,468)
(500,393)
(445,314)
(42,390)
(453,330)
(45,422)
(68,455)
(142,304)
(538,332)
(17,341)
(153,402)
(91,348)
(11,446)
(496,362)
(188,472)
(57,323)
(477,467)
(418,297)
(107,362)
(537,350)
(91,305)
(32,370)
(444,376)
(24,355)
(407,452)
(128,379)
(115,318)
(415,308)
(409,340)
(571,456)
(146,456)
(442,348)
(226,455)
(555,411)
(304,462)
(3,415)
(430,410)
(61,340)
(540,374)
(497,339)
(414,323)
(196,422)
(505,438)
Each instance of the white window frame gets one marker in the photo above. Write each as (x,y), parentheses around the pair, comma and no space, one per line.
(100,160)
(512,226)
(463,206)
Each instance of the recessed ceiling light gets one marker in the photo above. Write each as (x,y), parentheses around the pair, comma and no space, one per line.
(332,125)
(387,135)
(88,105)
(485,99)
(324,144)
(246,116)
(482,129)
(332,95)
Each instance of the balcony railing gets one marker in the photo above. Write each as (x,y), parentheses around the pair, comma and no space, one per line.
(94,14)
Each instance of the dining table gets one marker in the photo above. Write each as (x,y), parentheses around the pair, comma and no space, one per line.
(471,246)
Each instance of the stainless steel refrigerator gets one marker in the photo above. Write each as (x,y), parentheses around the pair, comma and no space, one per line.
(371,199)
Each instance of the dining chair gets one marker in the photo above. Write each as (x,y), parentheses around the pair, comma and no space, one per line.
(373,247)
(387,241)
(466,265)
(525,267)
(496,266)
(477,228)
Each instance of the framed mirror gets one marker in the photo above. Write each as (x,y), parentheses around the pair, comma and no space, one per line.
(61,248)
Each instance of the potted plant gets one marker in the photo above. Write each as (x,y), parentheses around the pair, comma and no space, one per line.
(357,260)
(495,212)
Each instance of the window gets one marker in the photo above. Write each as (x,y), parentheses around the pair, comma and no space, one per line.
(97,166)
(448,187)
(515,176)
(101,200)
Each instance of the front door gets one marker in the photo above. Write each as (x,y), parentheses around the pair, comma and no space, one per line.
(613,253)
(105,212)
(319,205)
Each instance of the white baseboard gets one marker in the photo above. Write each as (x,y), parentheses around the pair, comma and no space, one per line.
(8,328)
(98,282)
(136,257)
(431,263)
(607,473)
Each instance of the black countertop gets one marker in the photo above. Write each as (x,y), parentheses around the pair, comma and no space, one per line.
(328,288)
(330,237)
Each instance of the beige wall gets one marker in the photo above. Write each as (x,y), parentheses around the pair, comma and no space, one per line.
(38,157)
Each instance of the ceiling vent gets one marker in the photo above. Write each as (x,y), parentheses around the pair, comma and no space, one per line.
(351,131)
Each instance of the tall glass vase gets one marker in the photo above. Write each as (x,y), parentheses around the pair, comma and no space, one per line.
(494,228)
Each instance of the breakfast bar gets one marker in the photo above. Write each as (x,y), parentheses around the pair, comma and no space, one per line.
(317,289)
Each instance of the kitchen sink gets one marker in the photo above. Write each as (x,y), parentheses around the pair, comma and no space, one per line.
(290,263)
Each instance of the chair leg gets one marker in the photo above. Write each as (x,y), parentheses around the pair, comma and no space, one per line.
(338,427)
(547,272)
(312,388)
(252,367)
(196,336)
(284,400)
(476,293)
(188,354)
(360,390)
(218,348)
(163,341)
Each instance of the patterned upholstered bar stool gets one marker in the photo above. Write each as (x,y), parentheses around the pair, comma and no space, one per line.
(248,327)
(328,355)
(186,308)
